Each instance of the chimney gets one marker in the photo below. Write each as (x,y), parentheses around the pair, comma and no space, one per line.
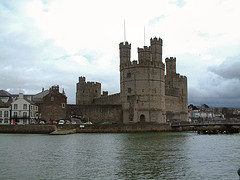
(20,96)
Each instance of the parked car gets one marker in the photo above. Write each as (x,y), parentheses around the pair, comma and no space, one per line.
(61,122)
(76,122)
(88,122)
(48,122)
(41,122)
(54,122)
(67,122)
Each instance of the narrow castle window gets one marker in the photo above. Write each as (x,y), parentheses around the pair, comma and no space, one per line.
(129,90)
(52,98)
(128,75)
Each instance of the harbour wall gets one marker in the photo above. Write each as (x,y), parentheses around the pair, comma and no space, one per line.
(107,128)
(94,128)
(28,129)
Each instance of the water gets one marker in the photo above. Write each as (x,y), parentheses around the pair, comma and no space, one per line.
(120,156)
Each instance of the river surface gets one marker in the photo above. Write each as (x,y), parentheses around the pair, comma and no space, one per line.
(120,156)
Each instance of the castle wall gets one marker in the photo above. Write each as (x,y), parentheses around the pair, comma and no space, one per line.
(97,113)
(113,99)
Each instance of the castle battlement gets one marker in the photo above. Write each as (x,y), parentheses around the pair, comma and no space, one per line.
(136,64)
(89,83)
(156,41)
(171,59)
(144,49)
(124,45)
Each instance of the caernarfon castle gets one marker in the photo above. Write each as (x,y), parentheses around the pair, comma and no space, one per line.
(147,93)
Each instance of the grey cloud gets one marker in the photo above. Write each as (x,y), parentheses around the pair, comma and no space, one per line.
(229,69)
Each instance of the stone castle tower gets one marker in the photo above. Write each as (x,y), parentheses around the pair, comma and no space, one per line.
(176,92)
(87,91)
(142,84)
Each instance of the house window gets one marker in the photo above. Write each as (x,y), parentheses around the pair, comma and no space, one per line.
(128,75)
(24,106)
(52,98)
(1,121)
(15,106)
(5,113)
(24,121)
(24,114)
(129,90)
(63,105)
(5,120)
(15,114)
(0,113)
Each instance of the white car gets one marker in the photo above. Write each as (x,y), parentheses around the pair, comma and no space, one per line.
(88,122)
(61,122)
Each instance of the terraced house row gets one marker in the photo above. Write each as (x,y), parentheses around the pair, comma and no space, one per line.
(26,109)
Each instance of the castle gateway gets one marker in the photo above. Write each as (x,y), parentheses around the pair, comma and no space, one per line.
(147,93)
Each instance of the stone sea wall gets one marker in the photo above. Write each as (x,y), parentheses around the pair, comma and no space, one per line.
(28,129)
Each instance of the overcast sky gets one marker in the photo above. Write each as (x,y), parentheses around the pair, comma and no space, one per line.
(53,42)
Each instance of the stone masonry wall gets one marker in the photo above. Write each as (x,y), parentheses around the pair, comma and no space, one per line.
(113,99)
(97,113)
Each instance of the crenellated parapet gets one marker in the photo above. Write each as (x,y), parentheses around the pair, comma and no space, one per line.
(148,64)
(156,40)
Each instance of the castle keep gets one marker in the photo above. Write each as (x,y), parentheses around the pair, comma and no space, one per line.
(147,93)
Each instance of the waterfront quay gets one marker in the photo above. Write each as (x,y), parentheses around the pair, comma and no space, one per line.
(201,128)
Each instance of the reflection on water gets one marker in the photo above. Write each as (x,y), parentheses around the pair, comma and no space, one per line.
(119,156)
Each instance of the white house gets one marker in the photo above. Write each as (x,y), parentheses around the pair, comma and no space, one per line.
(5,115)
(23,110)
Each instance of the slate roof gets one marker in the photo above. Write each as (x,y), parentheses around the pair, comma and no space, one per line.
(4,94)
